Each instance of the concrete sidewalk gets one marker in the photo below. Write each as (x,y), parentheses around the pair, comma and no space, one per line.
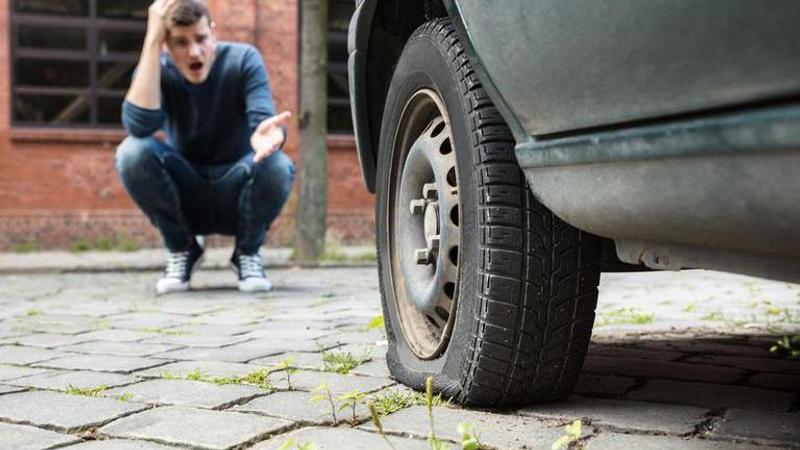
(153,259)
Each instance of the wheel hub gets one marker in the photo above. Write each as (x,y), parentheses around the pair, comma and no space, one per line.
(425,230)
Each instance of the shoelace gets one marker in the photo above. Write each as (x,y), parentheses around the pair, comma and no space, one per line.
(250,266)
(176,264)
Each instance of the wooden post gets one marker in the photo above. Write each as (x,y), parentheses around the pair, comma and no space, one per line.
(312,201)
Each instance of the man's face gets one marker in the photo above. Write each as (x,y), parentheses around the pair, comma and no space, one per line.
(193,48)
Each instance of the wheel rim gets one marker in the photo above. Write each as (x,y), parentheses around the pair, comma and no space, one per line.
(424,225)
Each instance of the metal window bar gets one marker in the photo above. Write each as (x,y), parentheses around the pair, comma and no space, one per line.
(99,85)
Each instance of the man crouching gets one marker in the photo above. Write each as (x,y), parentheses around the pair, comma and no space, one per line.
(221,170)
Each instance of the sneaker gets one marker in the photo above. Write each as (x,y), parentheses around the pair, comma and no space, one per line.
(251,272)
(178,272)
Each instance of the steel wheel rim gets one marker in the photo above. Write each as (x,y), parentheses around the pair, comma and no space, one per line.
(424,225)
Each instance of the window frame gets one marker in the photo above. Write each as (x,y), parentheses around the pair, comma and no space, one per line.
(93,25)
(338,67)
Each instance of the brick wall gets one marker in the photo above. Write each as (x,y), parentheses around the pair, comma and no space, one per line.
(58,186)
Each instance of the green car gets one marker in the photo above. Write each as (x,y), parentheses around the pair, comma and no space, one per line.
(519,148)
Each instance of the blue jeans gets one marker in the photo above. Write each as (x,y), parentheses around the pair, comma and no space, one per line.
(184,200)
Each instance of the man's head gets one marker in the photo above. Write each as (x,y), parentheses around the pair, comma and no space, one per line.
(191,39)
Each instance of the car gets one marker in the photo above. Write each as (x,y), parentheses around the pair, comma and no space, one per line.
(517,150)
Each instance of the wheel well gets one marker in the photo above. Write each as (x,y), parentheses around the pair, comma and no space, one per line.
(392,25)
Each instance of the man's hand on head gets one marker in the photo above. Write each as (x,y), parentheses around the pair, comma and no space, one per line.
(157,17)
(269,136)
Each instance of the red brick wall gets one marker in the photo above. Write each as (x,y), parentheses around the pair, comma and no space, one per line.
(57,187)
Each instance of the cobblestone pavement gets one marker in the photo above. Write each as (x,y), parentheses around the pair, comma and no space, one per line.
(678,361)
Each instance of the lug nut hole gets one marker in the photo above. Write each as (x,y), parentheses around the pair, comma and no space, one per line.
(449,289)
(437,129)
(451,177)
(445,148)
(453,254)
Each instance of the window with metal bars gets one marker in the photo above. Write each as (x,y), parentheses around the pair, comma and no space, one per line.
(339,119)
(72,60)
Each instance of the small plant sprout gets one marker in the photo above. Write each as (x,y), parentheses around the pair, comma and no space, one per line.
(375,323)
(392,400)
(572,433)
(376,419)
(322,393)
(469,439)
(291,444)
(788,346)
(288,367)
(127,396)
(351,400)
(342,362)
(436,444)
(88,392)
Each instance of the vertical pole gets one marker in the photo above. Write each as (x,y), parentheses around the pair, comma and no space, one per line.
(313,196)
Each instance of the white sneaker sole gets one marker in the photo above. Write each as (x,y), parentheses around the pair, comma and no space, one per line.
(178,286)
(255,285)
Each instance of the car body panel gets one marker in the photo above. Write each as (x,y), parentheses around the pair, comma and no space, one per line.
(565,66)
(672,128)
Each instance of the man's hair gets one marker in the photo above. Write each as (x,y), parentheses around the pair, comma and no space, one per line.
(189,12)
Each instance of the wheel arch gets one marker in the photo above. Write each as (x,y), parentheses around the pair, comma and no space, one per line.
(378,32)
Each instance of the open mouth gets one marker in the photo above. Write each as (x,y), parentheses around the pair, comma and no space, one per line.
(195,66)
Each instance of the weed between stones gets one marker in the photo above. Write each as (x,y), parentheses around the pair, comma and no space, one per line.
(342,362)
(258,378)
(88,392)
(623,316)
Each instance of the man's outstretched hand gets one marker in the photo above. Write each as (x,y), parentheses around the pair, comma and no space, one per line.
(268,137)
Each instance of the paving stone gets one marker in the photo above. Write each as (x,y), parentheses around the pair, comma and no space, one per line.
(364,350)
(374,368)
(214,330)
(117,335)
(63,324)
(762,426)
(333,439)
(23,437)
(12,354)
(617,441)
(194,340)
(623,415)
(296,406)
(301,360)
(495,430)
(603,384)
(777,381)
(195,427)
(62,412)
(187,308)
(49,340)
(12,372)
(339,384)
(633,352)
(647,368)
(243,352)
(79,379)
(103,363)
(143,320)
(704,347)
(118,444)
(186,393)
(357,337)
(119,348)
(273,331)
(10,389)
(773,364)
(713,395)
(210,368)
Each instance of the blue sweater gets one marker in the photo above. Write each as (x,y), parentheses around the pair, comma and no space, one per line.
(209,123)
